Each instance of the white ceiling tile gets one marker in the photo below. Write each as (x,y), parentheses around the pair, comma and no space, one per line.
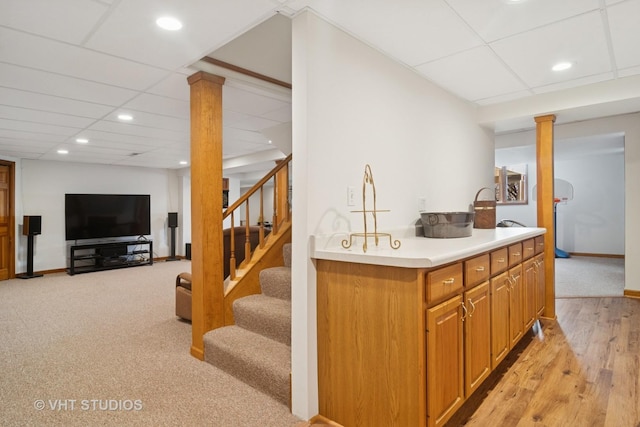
(412,31)
(252,123)
(625,33)
(63,86)
(45,54)
(497,19)
(29,137)
(573,83)
(141,131)
(173,86)
(531,55)
(35,101)
(149,120)
(66,20)
(486,77)
(160,105)
(207,24)
(282,115)
(244,101)
(35,116)
(20,125)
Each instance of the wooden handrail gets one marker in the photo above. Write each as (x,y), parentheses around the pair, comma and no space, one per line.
(280,203)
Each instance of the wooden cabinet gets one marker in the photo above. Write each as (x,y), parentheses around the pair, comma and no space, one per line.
(500,299)
(540,284)
(400,346)
(530,289)
(477,337)
(516,320)
(445,369)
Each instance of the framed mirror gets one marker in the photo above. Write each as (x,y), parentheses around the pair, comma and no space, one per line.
(511,184)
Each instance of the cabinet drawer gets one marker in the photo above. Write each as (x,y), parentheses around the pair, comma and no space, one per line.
(476,270)
(528,247)
(443,282)
(539,242)
(515,254)
(499,260)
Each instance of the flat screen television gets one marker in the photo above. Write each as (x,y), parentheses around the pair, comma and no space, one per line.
(94,216)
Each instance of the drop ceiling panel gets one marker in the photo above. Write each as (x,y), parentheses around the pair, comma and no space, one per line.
(133,130)
(413,31)
(243,101)
(45,117)
(160,105)
(66,20)
(206,23)
(473,74)
(134,141)
(28,137)
(57,85)
(37,127)
(497,19)
(54,104)
(49,55)
(625,33)
(156,121)
(532,54)
(173,86)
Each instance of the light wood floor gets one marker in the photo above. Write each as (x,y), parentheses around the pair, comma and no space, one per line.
(584,372)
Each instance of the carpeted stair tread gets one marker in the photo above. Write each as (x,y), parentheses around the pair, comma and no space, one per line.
(264,315)
(286,253)
(276,282)
(263,363)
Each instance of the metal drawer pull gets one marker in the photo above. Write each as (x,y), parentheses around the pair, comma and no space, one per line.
(464,311)
(516,254)
(473,307)
(448,281)
(500,260)
(480,268)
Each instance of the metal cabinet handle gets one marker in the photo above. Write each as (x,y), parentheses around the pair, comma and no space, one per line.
(464,310)
(517,254)
(473,307)
(480,268)
(449,281)
(500,260)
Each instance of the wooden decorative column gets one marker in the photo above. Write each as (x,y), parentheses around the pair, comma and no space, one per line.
(545,196)
(207,288)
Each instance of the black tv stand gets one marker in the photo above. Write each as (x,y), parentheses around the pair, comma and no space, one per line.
(90,257)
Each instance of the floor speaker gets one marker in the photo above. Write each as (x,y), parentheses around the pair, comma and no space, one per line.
(173,219)
(31,225)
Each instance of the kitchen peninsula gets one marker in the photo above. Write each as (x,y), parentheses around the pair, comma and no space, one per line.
(406,335)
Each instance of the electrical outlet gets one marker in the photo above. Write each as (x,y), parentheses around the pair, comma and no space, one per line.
(351,196)
(422,204)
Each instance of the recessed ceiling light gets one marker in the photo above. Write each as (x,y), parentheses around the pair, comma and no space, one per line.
(125,117)
(183,162)
(63,151)
(82,140)
(169,23)
(561,66)
(270,142)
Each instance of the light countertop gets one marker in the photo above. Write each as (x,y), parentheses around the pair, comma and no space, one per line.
(417,251)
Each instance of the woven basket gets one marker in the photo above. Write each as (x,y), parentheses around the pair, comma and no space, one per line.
(485,211)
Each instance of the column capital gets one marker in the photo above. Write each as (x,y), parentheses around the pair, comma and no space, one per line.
(202,75)
(547,118)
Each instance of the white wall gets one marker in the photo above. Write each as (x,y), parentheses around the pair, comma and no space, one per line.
(352,106)
(593,222)
(44,184)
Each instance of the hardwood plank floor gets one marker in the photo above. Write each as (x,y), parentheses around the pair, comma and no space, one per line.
(585,371)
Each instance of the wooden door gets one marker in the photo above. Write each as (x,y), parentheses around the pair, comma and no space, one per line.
(477,337)
(445,377)
(500,296)
(7,249)
(516,317)
(529,287)
(540,284)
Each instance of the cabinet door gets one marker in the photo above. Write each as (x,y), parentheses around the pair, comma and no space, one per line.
(500,297)
(445,380)
(529,287)
(516,313)
(540,284)
(477,337)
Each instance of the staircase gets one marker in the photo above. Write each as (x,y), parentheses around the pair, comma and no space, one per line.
(257,349)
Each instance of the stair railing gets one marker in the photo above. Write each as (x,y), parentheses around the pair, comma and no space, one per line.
(279,175)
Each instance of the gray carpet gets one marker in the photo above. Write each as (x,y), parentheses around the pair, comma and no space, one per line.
(106,349)
(585,276)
